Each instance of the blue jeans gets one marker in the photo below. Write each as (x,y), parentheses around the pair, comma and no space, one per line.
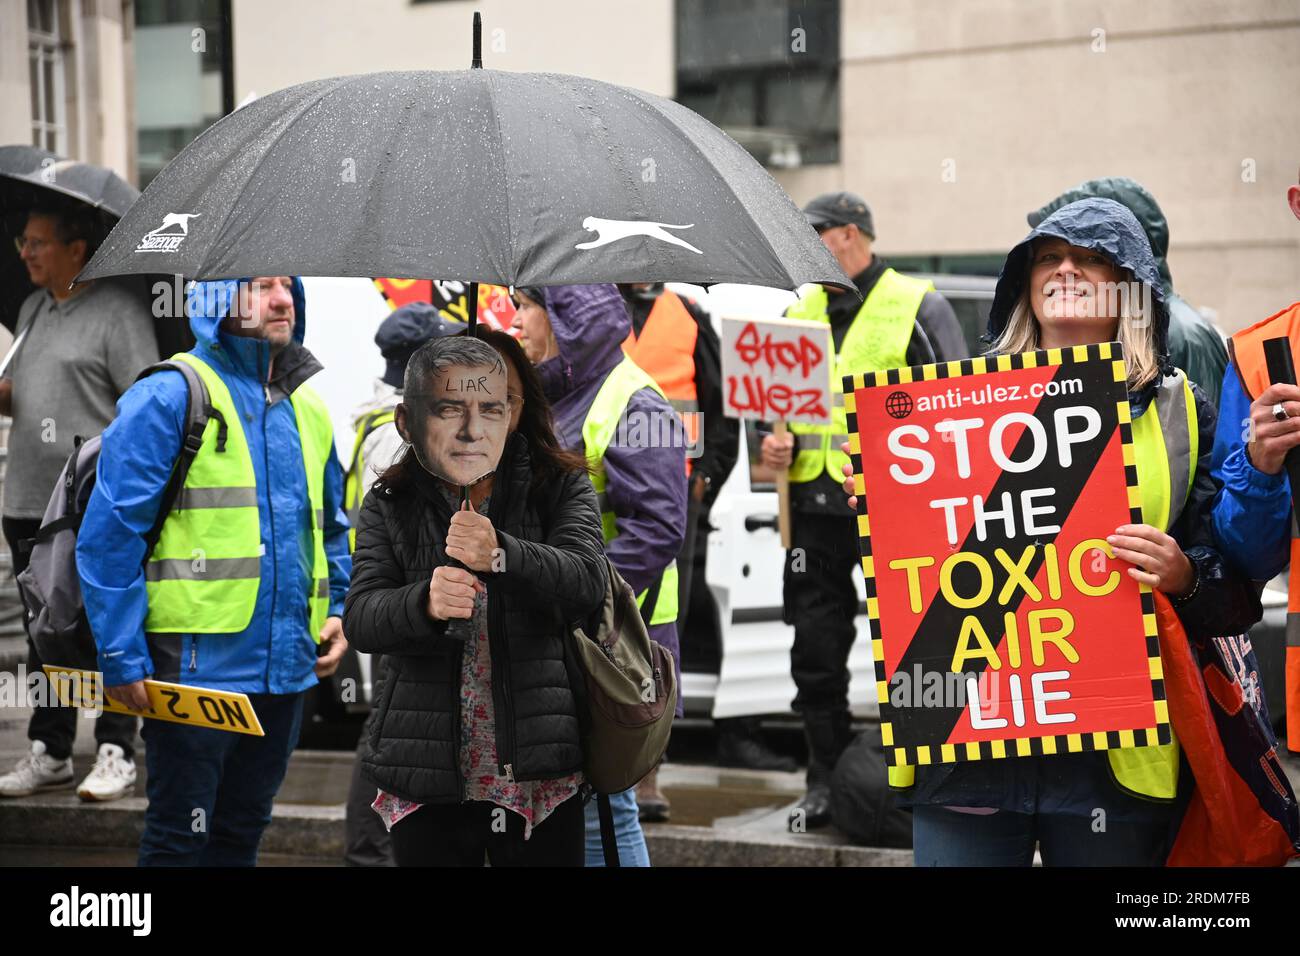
(943,837)
(231,778)
(627,830)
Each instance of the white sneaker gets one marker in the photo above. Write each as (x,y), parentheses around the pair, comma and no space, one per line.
(36,772)
(113,776)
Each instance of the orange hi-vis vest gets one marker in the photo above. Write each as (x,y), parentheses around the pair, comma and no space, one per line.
(666,351)
(1247,347)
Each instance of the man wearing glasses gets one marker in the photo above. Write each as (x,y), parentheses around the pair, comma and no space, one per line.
(78,349)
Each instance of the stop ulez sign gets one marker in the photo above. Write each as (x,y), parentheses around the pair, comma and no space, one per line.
(1002,625)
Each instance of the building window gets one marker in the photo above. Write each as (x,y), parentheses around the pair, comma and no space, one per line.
(767,72)
(45,63)
(183,76)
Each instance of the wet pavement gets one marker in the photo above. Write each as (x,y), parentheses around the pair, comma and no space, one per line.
(748,808)
(719,816)
(13,855)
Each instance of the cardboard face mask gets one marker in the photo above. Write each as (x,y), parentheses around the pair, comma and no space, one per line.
(458,427)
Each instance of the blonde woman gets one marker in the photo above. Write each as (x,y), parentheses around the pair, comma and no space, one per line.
(1087,275)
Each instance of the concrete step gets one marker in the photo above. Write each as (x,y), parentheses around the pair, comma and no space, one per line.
(730,818)
(13,651)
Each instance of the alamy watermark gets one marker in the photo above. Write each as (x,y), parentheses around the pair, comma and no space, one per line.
(80,689)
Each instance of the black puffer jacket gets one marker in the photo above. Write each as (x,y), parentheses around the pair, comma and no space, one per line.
(553,573)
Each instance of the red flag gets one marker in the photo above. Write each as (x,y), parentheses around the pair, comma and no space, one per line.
(495,308)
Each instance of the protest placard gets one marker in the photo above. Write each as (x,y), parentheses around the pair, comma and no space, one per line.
(1001,622)
(777,370)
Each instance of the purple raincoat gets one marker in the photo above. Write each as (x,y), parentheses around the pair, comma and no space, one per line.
(647,485)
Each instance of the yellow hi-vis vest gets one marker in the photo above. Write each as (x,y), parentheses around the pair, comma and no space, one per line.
(598,430)
(877,340)
(203,574)
(355,484)
(1166,446)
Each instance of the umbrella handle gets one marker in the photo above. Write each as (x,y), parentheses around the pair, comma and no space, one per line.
(471,306)
(463,630)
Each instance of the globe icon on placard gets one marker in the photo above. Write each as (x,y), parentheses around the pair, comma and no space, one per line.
(899,404)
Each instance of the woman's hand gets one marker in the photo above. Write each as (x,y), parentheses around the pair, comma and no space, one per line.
(1158,560)
(848,478)
(451,593)
(471,539)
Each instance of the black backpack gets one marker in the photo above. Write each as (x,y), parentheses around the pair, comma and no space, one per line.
(50,587)
(862,805)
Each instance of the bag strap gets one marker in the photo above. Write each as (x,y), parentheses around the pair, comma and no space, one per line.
(197,413)
(651,599)
(608,841)
(70,477)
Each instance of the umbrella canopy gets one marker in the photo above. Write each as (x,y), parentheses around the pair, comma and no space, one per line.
(95,186)
(474,175)
(34,177)
(20,158)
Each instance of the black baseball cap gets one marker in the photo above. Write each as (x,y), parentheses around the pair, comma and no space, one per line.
(405,330)
(840,209)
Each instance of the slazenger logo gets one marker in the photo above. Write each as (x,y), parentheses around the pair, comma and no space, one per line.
(167,237)
(73,909)
(612,230)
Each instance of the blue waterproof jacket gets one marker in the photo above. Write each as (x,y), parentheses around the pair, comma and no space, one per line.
(1252,513)
(275,654)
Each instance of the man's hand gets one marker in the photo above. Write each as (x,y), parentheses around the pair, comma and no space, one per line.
(777,451)
(451,593)
(471,539)
(131,695)
(1158,560)
(1270,439)
(335,644)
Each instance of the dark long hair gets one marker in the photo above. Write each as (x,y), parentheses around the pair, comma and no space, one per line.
(550,460)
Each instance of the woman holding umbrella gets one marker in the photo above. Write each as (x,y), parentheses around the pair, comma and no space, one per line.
(475,745)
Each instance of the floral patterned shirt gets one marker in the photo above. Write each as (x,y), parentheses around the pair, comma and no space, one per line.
(485,779)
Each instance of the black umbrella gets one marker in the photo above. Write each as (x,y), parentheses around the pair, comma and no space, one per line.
(14,284)
(21,158)
(95,186)
(31,177)
(476,175)
(525,179)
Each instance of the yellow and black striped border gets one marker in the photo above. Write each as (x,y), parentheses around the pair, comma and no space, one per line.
(1019,746)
